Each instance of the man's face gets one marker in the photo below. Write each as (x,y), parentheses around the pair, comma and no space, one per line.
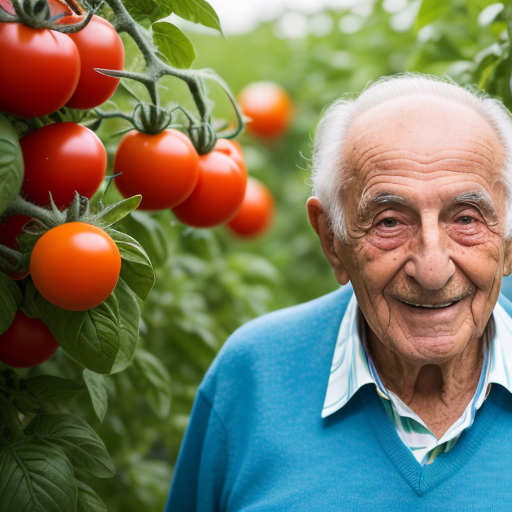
(425,221)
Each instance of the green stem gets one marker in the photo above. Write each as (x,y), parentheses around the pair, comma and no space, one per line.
(21,206)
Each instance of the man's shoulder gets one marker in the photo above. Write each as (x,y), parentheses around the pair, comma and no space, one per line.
(287,336)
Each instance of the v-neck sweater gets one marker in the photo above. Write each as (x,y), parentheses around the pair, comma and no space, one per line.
(256,441)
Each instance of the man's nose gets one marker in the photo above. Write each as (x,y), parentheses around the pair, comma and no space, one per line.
(430,263)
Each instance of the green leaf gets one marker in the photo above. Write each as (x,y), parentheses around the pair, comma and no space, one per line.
(10,299)
(11,164)
(152,10)
(430,11)
(88,500)
(48,388)
(154,379)
(198,11)
(90,337)
(136,267)
(77,439)
(150,234)
(98,392)
(129,322)
(117,211)
(174,45)
(36,477)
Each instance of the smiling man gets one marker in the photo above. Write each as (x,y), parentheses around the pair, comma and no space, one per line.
(395,392)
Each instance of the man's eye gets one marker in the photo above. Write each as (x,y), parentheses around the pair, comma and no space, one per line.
(389,222)
(465,220)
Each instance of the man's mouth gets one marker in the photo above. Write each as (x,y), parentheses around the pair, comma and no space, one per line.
(429,306)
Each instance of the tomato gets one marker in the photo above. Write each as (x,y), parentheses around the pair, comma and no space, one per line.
(39,70)
(56,7)
(27,342)
(256,212)
(233,149)
(99,46)
(163,168)
(61,158)
(75,266)
(218,194)
(269,106)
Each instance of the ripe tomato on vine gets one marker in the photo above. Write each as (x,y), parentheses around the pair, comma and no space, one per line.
(62,158)
(39,72)
(27,342)
(162,168)
(75,266)
(218,194)
(256,213)
(99,46)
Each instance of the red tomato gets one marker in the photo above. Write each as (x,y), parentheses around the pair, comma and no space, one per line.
(163,168)
(75,266)
(27,342)
(233,149)
(99,46)
(256,212)
(56,7)
(61,158)
(39,72)
(269,106)
(218,194)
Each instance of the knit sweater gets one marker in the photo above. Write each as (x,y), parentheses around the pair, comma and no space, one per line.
(257,442)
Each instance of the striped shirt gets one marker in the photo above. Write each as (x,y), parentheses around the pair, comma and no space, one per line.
(352,368)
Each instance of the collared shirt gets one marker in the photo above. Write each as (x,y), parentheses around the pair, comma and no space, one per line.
(353,368)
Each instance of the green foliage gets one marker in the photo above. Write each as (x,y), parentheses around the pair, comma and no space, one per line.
(11,164)
(10,299)
(173,44)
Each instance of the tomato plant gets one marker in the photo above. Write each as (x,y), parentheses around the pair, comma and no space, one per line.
(99,46)
(62,158)
(75,266)
(268,106)
(257,210)
(163,168)
(218,194)
(39,70)
(27,342)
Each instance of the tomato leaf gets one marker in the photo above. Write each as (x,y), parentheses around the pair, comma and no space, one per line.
(136,267)
(198,11)
(150,234)
(174,45)
(10,299)
(77,439)
(11,164)
(117,211)
(154,380)
(36,477)
(98,392)
(51,389)
(152,10)
(90,337)
(88,500)
(129,322)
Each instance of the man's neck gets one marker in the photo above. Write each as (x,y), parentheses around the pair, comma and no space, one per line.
(437,393)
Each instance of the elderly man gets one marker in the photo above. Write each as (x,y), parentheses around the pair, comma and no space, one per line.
(395,392)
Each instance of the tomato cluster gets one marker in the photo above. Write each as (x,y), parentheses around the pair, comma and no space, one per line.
(202,190)
(43,70)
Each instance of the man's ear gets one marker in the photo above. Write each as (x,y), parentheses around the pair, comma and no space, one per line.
(507,263)
(322,226)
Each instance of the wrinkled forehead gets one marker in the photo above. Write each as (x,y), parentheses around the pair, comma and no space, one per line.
(421,126)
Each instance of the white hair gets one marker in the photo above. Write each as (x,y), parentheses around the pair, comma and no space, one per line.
(330,172)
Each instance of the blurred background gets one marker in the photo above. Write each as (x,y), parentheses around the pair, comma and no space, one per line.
(210,282)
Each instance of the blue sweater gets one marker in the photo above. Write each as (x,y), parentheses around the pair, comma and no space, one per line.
(257,442)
